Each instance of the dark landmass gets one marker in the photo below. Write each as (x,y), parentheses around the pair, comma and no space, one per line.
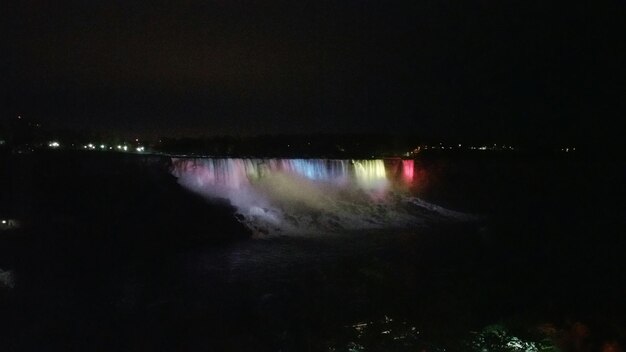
(114,255)
(24,136)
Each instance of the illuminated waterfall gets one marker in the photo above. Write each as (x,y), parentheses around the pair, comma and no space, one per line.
(313,169)
(370,173)
(408,167)
(228,173)
(298,196)
(238,173)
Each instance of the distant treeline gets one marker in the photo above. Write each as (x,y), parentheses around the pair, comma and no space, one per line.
(317,145)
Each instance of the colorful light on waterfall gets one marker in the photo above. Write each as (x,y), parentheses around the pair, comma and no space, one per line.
(306,195)
(408,170)
(314,169)
(370,174)
(236,173)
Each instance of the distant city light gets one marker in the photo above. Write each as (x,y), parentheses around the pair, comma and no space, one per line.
(54,144)
(140,149)
(4,222)
(459,146)
(125,148)
(119,147)
(102,146)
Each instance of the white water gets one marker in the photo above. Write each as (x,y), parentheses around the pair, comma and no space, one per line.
(304,196)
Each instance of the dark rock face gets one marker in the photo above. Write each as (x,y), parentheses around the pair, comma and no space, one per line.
(113,197)
(89,221)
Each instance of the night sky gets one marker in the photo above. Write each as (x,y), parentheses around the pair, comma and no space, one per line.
(498,70)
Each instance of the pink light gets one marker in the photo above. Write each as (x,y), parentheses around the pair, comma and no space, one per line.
(407,170)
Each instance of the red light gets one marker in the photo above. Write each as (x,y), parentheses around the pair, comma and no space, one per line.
(407,170)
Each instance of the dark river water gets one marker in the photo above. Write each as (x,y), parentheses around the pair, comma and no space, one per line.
(114,254)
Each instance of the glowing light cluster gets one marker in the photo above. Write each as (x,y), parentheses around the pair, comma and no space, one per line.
(7,224)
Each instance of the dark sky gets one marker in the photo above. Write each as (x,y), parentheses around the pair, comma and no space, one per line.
(503,70)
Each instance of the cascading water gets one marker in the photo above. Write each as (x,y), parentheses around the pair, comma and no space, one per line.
(299,196)
(408,168)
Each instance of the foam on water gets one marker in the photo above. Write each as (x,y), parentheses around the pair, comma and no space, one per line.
(304,196)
